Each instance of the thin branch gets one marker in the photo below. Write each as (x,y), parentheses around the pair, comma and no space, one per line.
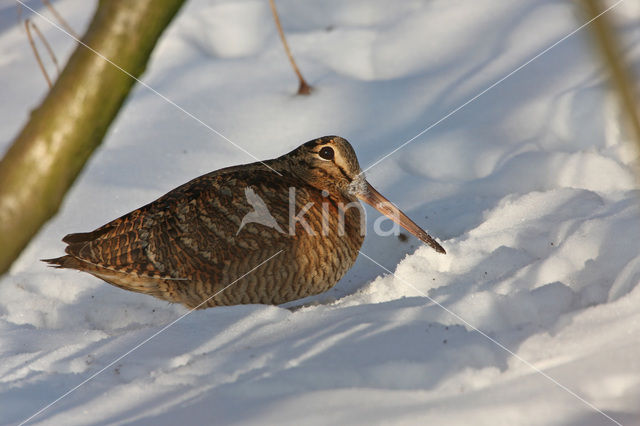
(47,46)
(611,50)
(60,19)
(303,88)
(27,22)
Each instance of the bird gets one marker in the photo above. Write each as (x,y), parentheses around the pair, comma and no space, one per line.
(268,232)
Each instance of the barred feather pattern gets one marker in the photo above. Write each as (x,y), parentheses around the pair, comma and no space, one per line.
(183,247)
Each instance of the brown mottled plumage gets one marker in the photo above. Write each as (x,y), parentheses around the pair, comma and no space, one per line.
(192,242)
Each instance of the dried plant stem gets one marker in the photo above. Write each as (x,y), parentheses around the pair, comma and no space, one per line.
(60,19)
(611,51)
(303,88)
(27,24)
(46,46)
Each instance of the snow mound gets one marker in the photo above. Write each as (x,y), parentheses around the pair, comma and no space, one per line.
(530,188)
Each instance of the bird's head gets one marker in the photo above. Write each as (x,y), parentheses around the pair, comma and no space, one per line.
(330,164)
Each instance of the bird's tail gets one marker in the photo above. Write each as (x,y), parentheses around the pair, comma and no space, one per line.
(63,262)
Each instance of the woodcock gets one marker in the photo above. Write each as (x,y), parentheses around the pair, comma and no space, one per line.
(270,232)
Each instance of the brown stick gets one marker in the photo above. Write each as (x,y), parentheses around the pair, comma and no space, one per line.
(303,88)
(47,46)
(611,50)
(60,19)
(27,22)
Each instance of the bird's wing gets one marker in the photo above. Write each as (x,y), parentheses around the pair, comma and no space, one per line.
(189,233)
(120,245)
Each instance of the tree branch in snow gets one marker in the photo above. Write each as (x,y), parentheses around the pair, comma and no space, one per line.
(303,87)
(61,134)
(611,51)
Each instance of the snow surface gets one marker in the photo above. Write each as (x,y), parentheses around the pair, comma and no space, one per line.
(530,188)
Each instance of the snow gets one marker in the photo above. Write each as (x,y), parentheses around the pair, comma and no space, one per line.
(530,187)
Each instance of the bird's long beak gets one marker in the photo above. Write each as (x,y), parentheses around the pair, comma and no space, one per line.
(376,200)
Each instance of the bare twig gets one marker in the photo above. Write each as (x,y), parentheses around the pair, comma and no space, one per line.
(27,23)
(47,46)
(303,88)
(621,80)
(60,19)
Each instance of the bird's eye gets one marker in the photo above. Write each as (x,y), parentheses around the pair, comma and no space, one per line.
(326,153)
